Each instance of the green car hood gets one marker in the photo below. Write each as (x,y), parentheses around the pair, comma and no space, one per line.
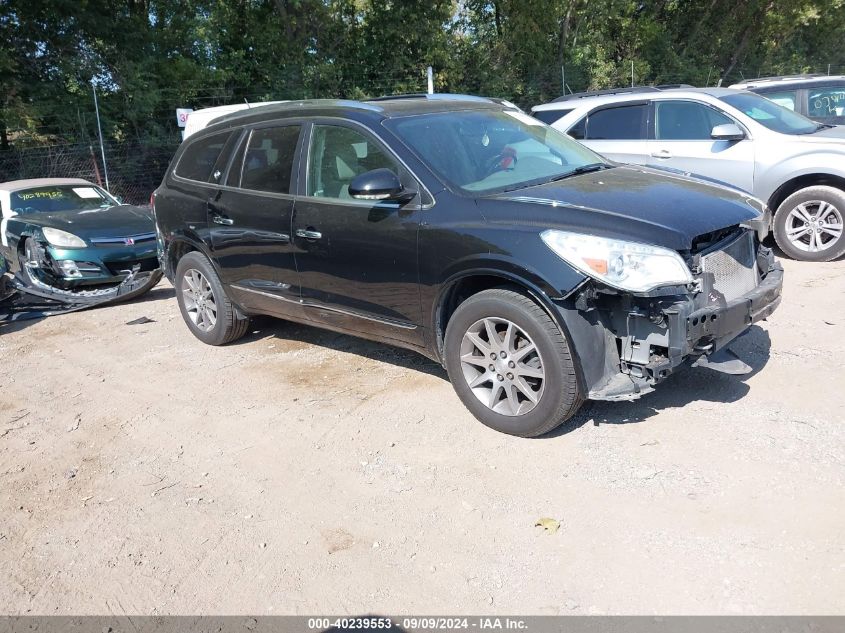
(119,221)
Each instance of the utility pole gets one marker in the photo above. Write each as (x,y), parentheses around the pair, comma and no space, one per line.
(632,73)
(100,132)
(563,80)
(430,75)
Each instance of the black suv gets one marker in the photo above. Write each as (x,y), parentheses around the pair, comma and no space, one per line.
(538,273)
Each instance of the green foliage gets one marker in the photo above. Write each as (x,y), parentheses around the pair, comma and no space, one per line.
(148,57)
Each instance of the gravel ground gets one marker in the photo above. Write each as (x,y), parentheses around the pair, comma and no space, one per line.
(299,471)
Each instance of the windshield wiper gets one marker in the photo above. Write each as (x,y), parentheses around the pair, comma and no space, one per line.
(583,169)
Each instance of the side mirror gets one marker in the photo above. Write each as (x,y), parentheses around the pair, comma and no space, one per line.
(727,132)
(378,184)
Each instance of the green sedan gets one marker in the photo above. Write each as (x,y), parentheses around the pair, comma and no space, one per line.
(68,238)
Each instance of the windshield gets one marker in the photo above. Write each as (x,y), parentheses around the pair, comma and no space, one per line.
(60,198)
(770,114)
(485,151)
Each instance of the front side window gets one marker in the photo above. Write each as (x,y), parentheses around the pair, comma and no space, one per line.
(337,155)
(623,123)
(686,121)
(827,102)
(484,151)
(770,114)
(785,98)
(57,198)
(198,159)
(269,157)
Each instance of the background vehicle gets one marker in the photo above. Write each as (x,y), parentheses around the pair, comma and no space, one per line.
(72,238)
(795,165)
(819,97)
(199,119)
(537,273)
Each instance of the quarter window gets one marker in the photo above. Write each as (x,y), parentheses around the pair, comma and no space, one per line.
(337,155)
(550,116)
(198,159)
(623,123)
(686,121)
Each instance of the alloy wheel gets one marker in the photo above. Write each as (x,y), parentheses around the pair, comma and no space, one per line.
(814,226)
(199,300)
(502,366)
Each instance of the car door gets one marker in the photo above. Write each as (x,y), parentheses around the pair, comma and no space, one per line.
(250,218)
(357,259)
(682,140)
(618,132)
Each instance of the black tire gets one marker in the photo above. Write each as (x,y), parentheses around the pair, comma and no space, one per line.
(560,396)
(27,248)
(228,326)
(811,197)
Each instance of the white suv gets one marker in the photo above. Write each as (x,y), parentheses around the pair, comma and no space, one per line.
(795,165)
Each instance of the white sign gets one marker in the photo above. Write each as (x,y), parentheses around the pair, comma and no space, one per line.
(182,116)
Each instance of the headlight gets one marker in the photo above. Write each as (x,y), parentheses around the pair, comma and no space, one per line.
(62,239)
(631,266)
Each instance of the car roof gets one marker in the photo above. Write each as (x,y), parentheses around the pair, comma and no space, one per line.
(17,185)
(622,95)
(789,81)
(384,107)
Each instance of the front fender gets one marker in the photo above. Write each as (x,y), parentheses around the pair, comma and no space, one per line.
(824,163)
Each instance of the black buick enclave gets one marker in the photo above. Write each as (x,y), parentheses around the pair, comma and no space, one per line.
(538,273)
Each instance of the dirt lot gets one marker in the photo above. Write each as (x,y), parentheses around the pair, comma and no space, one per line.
(299,471)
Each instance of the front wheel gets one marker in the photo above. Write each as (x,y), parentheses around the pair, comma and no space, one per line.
(204,305)
(510,364)
(808,225)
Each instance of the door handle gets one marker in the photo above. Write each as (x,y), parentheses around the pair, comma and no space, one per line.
(219,219)
(309,234)
(662,153)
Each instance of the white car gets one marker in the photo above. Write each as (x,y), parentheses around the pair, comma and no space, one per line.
(795,165)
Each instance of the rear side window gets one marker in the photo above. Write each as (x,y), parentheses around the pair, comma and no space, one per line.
(198,159)
(269,157)
(550,116)
(827,102)
(624,123)
(686,121)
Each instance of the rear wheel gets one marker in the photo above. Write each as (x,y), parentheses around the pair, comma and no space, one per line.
(510,364)
(808,225)
(206,309)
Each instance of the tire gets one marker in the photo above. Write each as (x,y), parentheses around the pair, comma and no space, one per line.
(558,395)
(212,319)
(27,251)
(800,211)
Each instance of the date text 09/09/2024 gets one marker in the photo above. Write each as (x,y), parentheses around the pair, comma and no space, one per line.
(418,623)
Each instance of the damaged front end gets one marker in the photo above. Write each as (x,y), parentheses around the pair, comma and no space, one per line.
(629,342)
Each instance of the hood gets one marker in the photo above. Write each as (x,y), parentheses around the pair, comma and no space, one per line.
(626,202)
(119,221)
(828,136)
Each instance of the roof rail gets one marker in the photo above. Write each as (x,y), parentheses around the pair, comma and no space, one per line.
(673,86)
(435,96)
(410,95)
(783,78)
(611,91)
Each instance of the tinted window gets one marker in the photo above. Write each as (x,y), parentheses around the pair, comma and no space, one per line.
(337,155)
(491,150)
(770,114)
(579,130)
(785,98)
(623,123)
(197,161)
(268,161)
(233,179)
(826,103)
(550,116)
(686,121)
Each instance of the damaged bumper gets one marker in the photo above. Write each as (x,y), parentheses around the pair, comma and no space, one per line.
(628,344)
(134,284)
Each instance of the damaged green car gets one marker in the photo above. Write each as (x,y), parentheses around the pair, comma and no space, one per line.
(70,239)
